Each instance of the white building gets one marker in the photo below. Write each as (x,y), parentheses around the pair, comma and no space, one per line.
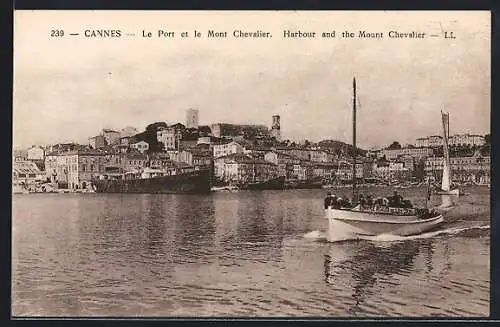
(435,141)
(276,128)
(168,137)
(192,118)
(26,172)
(128,131)
(112,137)
(221,150)
(390,170)
(392,154)
(422,142)
(466,139)
(141,146)
(36,153)
(204,140)
(458,139)
(475,162)
(318,156)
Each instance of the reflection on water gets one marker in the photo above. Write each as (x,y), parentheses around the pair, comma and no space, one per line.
(236,254)
(367,264)
(448,201)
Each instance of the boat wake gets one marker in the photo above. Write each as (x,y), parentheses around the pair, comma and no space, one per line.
(448,231)
(320,236)
(315,234)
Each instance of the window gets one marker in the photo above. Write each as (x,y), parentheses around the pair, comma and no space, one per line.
(92,167)
(84,167)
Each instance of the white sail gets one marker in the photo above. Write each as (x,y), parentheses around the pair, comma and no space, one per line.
(446,180)
(445,183)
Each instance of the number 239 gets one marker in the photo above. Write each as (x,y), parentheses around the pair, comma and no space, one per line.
(56,33)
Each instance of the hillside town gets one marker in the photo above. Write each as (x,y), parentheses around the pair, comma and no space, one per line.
(241,153)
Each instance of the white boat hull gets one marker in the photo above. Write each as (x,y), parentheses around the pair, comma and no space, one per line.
(224,189)
(344,223)
(455,192)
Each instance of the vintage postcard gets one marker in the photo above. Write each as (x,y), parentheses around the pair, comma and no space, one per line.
(251,164)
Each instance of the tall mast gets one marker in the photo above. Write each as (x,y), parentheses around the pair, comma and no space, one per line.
(354,138)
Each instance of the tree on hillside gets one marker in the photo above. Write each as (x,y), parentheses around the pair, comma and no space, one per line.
(487,139)
(419,169)
(155,126)
(394,145)
(485,149)
(149,136)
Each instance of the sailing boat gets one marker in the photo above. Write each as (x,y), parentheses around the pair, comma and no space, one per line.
(356,220)
(446,179)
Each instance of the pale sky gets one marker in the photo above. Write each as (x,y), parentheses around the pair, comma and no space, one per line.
(68,89)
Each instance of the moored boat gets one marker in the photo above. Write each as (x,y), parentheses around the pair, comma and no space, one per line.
(277,183)
(226,188)
(155,181)
(19,189)
(446,185)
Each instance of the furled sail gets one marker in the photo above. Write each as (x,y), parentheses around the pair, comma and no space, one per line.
(446,180)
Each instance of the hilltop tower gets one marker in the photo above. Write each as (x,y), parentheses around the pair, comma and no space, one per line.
(275,128)
(192,118)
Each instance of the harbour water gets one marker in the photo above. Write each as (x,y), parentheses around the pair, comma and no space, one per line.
(247,254)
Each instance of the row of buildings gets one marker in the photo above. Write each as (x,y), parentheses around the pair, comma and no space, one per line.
(435,141)
(238,155)
(235,163)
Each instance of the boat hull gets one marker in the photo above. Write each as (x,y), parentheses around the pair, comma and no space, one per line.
(272,184)
(353,222)
(192,182)
(306,186)
(18,189)
(455,192)
(225,189)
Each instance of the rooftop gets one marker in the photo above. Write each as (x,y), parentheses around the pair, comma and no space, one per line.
(107,130)
(243,158)
(86,152)
(25,167)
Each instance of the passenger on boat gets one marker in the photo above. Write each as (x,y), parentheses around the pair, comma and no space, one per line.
(328,200)
(335,202)
(380,201)
(407,204)
(426,213)
(381,204)
(396,201)
(362,200)
(342,203)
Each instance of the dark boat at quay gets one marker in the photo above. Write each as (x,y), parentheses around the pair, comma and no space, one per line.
(153,181)
(270,184)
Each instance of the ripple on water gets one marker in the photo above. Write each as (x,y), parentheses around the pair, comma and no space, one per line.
(253,254)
